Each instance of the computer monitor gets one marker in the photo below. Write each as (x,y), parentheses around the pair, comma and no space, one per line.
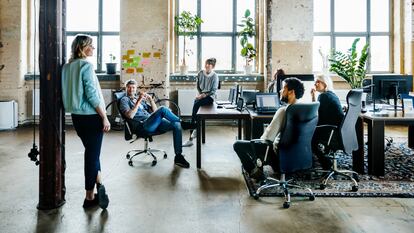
(389,86)
(249,96)
(232,93)
(237,93)
(386,87)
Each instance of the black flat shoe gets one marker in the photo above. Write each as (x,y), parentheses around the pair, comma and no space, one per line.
(103,199)
(91,203)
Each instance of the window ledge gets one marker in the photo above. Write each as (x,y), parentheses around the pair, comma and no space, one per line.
(222,77)
(101,77)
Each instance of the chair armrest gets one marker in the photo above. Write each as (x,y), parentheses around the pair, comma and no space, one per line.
(327,126)
(261,141)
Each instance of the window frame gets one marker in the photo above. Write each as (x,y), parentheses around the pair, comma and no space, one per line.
(367,34)
(234,40)
(99,36)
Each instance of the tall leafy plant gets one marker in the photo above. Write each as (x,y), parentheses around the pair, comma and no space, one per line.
(247,31)
(349,66)
(186,25)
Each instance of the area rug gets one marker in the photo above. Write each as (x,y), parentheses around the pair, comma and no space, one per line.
(398,181)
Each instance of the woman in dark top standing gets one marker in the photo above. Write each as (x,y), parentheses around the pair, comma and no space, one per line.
(330,113)
(207,85)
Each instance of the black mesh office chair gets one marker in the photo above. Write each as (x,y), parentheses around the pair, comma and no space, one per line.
(346,139)
(140,133)
(294,149)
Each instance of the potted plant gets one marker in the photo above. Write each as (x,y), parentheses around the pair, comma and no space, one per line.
(186,25)
(111,65)
(248,31)
(349,66)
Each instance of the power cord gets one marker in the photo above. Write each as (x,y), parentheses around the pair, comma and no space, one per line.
(34,152)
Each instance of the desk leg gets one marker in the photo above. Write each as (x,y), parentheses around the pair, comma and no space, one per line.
(239,129)
(376,148)
(358,155)
(411,136)
(198,144)
(247,129)
(203,131)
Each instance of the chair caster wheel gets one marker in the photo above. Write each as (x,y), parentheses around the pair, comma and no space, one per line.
(312,198)
(165,156)
(322,186)
(128,156)
(154,162)
(356,177)
(354,188)
(286,205)
(130,163)
(256,196)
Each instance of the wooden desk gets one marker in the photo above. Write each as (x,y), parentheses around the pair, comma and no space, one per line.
(212,112)
(376,123)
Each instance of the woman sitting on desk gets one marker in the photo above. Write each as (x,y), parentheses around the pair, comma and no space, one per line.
(207,84)
(330,113)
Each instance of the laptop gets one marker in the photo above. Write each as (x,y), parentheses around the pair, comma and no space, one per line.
(267,103)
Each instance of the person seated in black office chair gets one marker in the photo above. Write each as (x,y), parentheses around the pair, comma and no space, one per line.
(293,90)
(330,113)
(143,114)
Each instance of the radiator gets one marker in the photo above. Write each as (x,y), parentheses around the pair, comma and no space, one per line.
(106,93)
(8,115)
(186,99)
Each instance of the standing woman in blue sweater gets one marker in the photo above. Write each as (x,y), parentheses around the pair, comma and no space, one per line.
(82,96)
(207,85)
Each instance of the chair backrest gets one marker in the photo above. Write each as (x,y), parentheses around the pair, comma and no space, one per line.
(294,149)
(118,95)
(347,128)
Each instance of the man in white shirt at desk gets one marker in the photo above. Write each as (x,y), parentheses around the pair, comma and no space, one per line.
(293,90)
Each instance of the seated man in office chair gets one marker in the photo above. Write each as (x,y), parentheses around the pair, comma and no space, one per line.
(293,90)
(143,114)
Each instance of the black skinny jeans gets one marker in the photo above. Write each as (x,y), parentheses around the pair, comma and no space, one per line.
(197,104)
(90,130)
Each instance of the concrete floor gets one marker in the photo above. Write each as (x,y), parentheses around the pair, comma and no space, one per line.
(165,198)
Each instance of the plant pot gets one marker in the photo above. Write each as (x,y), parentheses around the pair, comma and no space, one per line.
(248,69)
(111,68)
(183,69)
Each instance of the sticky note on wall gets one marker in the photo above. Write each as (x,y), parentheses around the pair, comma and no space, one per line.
(131,51)
(130,71)
(157,55)
(125,57)
(140,69)
(146,55)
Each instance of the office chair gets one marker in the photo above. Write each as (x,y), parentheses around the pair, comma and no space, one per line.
(347,139)
(133,136)
(294,148)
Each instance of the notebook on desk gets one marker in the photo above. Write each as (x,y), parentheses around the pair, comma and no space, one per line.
(267,103)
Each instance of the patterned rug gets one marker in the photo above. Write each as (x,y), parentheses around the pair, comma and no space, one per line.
(398,181)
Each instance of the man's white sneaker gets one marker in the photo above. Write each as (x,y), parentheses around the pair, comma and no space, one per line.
(188,143)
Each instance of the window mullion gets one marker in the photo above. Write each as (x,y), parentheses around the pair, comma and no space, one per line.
(368,37)
(233,39)
(199,38)
(99,52)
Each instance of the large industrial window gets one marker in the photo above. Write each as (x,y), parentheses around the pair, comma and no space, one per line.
(99,19)
(338,22)
(217,36)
